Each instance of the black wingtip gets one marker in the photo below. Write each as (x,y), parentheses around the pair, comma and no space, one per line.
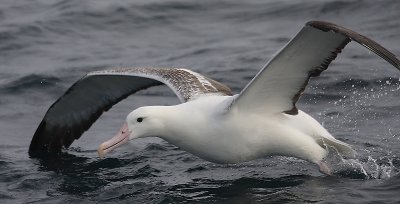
(363,40)
(41,146)
(322,25)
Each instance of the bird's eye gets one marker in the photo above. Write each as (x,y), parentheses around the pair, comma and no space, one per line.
(139,120)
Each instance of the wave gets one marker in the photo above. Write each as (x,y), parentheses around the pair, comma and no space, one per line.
(29,83)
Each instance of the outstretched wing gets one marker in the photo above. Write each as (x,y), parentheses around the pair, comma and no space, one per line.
(278,86)
(84,102)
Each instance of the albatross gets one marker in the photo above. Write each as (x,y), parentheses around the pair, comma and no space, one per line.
(211,122)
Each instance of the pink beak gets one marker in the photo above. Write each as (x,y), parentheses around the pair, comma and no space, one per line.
(119,139)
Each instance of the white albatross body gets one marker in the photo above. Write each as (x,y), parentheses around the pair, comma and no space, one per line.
(234,137)
(211,122)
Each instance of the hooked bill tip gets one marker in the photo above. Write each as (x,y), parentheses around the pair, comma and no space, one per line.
(119,139)
(100,152)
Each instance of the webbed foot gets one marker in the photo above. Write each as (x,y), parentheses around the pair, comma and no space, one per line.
(324,168)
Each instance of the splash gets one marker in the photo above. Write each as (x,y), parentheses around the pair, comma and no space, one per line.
(364,167)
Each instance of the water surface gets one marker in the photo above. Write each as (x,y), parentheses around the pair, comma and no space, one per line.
(47,45)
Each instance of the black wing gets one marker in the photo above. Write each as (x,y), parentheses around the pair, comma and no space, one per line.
(85,101)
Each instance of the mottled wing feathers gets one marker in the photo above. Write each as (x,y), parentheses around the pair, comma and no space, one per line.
(278,86)
(186,84)
(85,101)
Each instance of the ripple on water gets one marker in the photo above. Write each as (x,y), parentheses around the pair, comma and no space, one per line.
(29,83)
(196,168)
(241,189)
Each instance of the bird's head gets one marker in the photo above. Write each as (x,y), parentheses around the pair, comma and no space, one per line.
(142,122)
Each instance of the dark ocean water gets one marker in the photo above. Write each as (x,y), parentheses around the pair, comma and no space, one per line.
(46,45)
